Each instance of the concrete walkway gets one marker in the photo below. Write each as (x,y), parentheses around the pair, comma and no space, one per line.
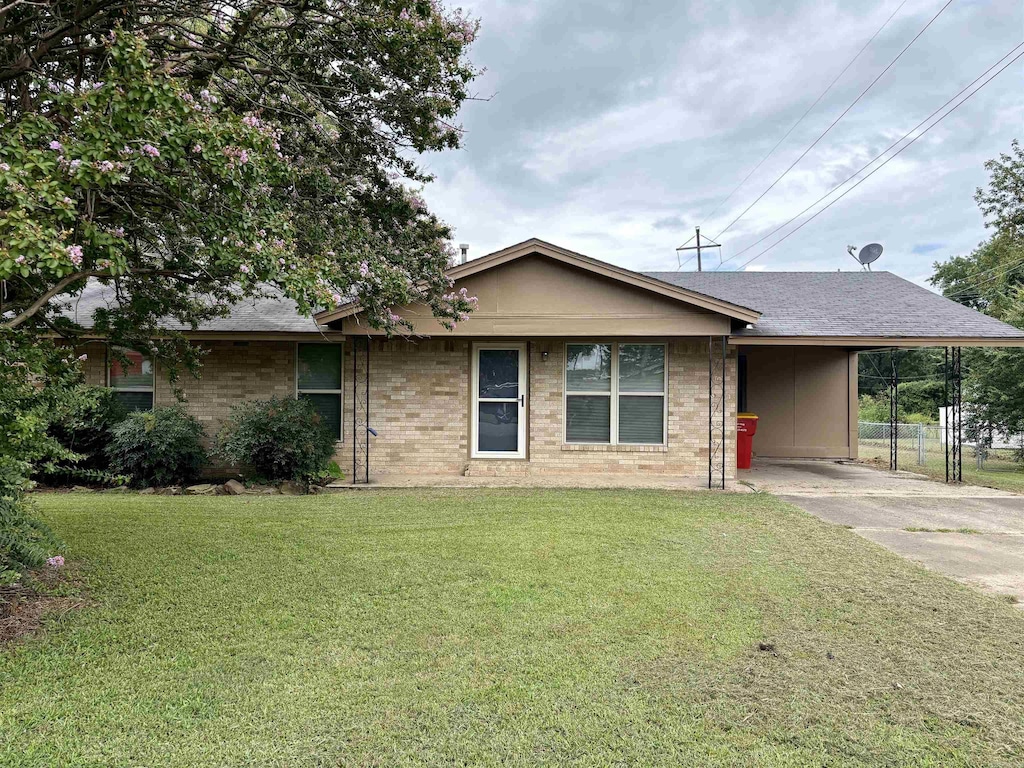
(608,480)
(973,534)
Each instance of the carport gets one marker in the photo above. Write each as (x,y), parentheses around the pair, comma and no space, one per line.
(797,365)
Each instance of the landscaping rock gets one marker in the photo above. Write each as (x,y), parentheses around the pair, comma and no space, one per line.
(81,489)
(233,488)
(118,489)
(171,490)
(202,489)
(290,488)
(147,491)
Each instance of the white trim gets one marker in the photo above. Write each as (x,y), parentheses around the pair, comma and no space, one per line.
(614,393)
(522,399)
(340,392)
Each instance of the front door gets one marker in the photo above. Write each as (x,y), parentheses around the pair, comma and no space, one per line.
(499,401)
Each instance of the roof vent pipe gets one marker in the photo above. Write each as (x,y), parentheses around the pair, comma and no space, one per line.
(463,253)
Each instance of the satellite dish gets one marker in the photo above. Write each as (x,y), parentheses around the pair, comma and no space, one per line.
(869,253)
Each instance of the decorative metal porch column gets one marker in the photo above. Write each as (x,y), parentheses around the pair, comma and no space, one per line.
(717,354)
(894,408)
(954,420)
(361,430)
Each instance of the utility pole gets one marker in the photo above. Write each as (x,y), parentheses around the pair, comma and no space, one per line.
(708,243)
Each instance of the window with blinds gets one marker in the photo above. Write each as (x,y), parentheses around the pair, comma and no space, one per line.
(318,379)
(130,375)
(615,393)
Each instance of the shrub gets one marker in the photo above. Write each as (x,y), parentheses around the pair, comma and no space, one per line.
(86,426)
(25,542)
(279,439)
(158,447)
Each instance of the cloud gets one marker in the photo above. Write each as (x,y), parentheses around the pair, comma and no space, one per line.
(614,128)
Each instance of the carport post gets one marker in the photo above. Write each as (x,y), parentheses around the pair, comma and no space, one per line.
(920,444)
(954,421)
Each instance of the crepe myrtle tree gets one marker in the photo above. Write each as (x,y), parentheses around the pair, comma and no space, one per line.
(190,153)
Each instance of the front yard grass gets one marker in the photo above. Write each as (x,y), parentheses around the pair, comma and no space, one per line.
(520,627)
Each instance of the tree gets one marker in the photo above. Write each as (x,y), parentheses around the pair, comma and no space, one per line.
(991,280)
(190,153)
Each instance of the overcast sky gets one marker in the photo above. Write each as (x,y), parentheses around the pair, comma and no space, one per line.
(613,128)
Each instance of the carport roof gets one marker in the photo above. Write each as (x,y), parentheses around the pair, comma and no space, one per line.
(851,306)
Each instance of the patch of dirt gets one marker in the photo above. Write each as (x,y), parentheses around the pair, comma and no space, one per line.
(23,607)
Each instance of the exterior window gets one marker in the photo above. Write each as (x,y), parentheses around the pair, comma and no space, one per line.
(318,379)
(131,378)
(615,393)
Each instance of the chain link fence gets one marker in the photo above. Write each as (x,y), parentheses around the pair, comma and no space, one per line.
(925,445)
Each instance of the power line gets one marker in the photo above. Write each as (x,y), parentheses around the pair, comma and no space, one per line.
(804,115)
(877,157)
(885,162)
(836,121)
(1002,270)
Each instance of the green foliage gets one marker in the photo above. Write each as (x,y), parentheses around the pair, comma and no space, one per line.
(25,542)
(991,280)
(158,447)
(86,426)
(25,410)
(278,439)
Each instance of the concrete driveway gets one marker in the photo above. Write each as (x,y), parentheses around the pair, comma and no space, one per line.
(973,534)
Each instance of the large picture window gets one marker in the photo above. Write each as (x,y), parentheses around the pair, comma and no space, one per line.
(615,393)
(318,379)
(130,375)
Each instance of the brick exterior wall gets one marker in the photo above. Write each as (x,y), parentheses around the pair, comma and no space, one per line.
(420,406)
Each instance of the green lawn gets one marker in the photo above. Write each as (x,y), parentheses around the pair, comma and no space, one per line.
(520,627)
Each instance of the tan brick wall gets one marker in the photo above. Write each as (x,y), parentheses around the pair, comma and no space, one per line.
(418,405)
(420,400)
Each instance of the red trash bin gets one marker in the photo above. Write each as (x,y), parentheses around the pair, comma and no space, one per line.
(746,427)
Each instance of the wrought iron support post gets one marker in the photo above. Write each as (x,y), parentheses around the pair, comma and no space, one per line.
(894,408)
(361,430)
(954,417)
(717,428)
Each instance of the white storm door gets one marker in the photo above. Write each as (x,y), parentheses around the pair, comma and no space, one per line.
(499,401)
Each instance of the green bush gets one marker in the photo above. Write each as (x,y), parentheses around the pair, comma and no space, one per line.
(278,439)
(86,426)
(158,447)
(24,541)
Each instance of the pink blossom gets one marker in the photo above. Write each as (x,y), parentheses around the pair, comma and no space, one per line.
(82,358)
(55,562)
(364,269)
(150,150)
(75,254)
(244,269)
(252,121)
(117,231)
(337,298)
(198,148)
(105,165)
(56,146)
(20,260)
(4,167)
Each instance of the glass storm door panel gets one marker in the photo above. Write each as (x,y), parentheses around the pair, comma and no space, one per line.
(499,401)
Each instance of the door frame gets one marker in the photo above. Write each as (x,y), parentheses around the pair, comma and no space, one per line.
(474,398)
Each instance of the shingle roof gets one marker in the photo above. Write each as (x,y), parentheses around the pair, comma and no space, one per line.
(869,304)
(274,313)
(823,304)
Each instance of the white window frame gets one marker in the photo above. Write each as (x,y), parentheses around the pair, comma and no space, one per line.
(340,392)
(521,399)
(151,389)
(614,392)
